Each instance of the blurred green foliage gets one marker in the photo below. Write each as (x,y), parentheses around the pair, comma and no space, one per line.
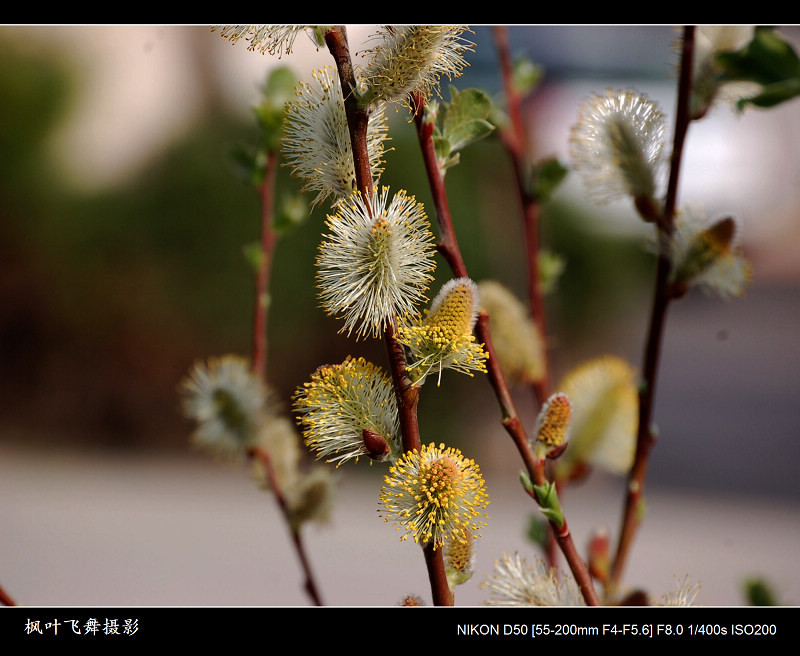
(767,60)
(757,592)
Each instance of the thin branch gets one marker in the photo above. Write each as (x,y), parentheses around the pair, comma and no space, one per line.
(645,438)
(310,585)
(407,394)
(440,588)
(515,140)
(357,116)
(448,243)
(511,422)
(268,239)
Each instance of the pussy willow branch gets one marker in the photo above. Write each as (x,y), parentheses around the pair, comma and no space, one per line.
(268,239)
(407,394)
(267,192)
(448,246)
(645,438)
(515,141)
(357,116)
(514,138)
(297,540)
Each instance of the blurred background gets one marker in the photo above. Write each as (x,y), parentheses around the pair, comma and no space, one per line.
(122,225)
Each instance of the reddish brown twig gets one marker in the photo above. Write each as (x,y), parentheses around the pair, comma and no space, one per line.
(259,359)
(645,438)
(448,246)
(297,540)
(407,394)
(515,141)
(266,192)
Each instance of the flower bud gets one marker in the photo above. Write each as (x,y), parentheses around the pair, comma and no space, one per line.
(459,560)
(517,343)
(376,445)
(618,145)
(552,424)
(412,58)
(707,255)
(444,339)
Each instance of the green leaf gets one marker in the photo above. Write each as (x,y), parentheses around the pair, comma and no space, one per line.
(537,531)
(498,117)
(459,123)
(466,105)
(545,178)
(772,94)
(553,515)
(454,159)
(468,132)
(279,87)
(248,164)
(772,57)
(270,120)
(319,34)
(767,60)
(759,593)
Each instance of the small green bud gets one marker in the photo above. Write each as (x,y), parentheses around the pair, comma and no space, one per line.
(545,178)
(549,504)
(526,481)
(526,75)
(551,266)
(249,164)
(254,254)
(290,212)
